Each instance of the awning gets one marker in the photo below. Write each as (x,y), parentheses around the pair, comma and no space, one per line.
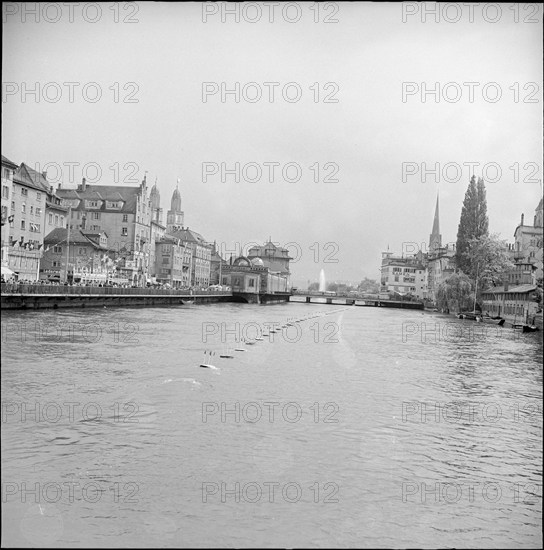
(6,272)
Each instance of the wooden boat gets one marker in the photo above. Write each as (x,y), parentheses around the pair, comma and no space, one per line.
(470,315)
(494,321)
(529,328)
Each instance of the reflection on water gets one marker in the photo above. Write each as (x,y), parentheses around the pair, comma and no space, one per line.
(356,427)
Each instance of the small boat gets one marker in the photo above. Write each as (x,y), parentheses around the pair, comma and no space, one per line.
(470,315)
(188,302)
(239,347)
(529,328)
(494,321)
(206,365)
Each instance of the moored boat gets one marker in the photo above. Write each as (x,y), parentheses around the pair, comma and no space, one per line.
(494,321)
(470,315)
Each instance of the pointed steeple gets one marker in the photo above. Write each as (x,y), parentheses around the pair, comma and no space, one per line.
(435,241)
(174,218)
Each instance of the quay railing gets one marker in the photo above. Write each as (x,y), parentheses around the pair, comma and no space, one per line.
(9,288)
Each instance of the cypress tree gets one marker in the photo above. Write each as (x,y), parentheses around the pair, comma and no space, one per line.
(473,223)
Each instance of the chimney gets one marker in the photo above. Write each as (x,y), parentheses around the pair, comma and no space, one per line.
(522,217)
(44,174)
(83,184)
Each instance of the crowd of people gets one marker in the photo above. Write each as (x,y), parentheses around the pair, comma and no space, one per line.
(20,282)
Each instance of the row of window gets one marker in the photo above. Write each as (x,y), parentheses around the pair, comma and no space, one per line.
(58,220)
(34,227)
(24,193)
(95,215)
(37,212)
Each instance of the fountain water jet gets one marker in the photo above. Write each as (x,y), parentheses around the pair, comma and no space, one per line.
(322,283)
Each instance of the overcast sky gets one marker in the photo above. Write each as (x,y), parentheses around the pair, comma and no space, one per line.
(367,55)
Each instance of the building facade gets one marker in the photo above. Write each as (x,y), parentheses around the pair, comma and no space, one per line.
(527,248)
(515,304)
(78,257)
(28,205)
(403,275)
(251,276)
(8,207)
(216,265)
(276,258)
(173,262)
(124,214)
(201,253)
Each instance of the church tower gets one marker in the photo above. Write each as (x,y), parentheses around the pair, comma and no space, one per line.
(174,218)
(435,241)
(538,216)
(155,199)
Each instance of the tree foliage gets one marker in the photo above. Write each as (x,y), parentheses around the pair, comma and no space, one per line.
(455,293)
(488,260)
(473,224)
(369,286)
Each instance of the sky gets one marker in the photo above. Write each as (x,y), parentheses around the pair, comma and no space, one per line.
(352,131)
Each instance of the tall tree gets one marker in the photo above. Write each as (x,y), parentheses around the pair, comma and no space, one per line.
(473,224)
(489,261)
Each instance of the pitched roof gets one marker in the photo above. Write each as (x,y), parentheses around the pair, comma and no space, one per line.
(269,250)
(7,162)
(28,177)
(112,193)
(60,235)
(520,289)
(188,235)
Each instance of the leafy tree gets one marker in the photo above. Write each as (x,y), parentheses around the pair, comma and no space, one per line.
(313,286)
(332,287)
(473,224)
(488,260)
(455,293)
(370,286)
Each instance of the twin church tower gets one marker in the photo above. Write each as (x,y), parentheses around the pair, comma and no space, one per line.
(174,217)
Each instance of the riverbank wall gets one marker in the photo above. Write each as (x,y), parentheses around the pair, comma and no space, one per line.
(25,297)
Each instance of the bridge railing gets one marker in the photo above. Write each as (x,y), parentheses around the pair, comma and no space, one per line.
(10,288)
(358,296)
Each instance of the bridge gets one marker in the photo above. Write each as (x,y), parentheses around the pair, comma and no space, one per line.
(316,297)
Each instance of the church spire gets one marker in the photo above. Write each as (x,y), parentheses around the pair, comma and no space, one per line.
(435,241)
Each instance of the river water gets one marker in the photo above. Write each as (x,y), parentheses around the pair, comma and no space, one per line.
(358,427)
